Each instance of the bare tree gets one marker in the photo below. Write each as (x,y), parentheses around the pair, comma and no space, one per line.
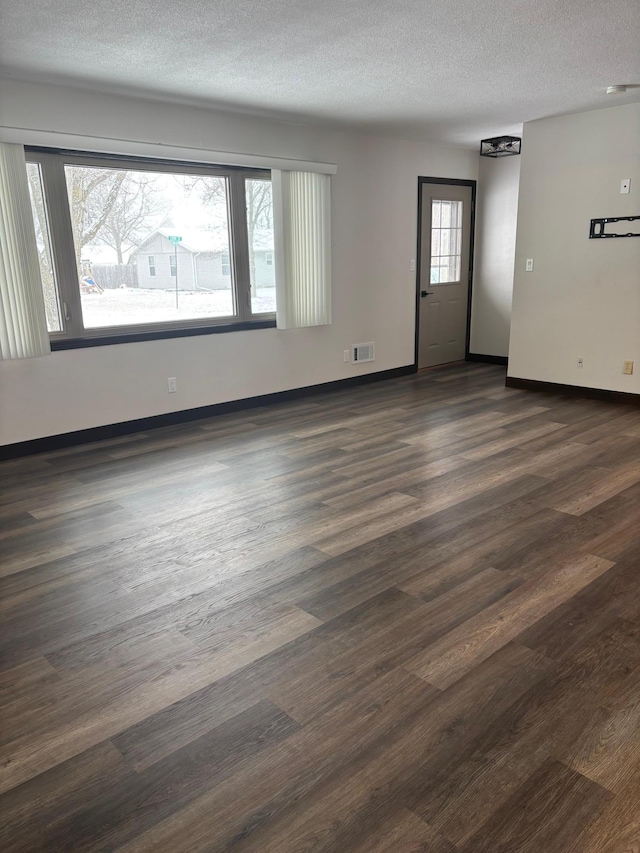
(259,216)
(259,206)
(92,195)
(128,218)
(42,242)
(108,205)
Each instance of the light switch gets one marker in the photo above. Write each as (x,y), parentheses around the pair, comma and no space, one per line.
(625,186)
(529,265)
(412,265)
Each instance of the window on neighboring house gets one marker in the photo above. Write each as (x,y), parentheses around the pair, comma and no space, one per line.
(269,258)
(108,209)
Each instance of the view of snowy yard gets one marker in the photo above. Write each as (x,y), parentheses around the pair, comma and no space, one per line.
(156,247)
(130,306)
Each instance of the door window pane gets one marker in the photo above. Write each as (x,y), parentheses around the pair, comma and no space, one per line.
(446,241)
(130,270)
(259,202)
(43,242)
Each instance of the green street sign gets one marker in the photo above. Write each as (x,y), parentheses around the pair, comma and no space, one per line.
(175,240)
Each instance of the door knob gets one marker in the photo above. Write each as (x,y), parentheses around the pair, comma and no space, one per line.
(424,293)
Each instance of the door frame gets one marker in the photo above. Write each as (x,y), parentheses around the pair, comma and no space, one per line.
(460,183)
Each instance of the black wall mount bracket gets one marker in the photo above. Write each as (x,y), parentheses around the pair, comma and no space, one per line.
(597,230)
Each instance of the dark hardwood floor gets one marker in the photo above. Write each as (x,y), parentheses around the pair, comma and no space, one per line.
(398,618)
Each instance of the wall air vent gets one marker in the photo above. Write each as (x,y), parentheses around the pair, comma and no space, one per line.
(363,352)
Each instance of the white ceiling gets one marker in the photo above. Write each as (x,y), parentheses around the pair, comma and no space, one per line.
(443,70)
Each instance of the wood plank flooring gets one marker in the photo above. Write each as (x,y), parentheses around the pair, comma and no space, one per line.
(398,618)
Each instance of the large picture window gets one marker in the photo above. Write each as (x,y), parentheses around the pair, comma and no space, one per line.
(148,246)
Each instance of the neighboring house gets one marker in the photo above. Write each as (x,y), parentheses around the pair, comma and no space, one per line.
(203,261)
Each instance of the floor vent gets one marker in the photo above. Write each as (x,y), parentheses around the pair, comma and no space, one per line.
(363,352)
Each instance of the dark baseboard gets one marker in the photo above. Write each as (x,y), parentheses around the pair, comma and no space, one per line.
(84,436)
(487,359)
(574,390)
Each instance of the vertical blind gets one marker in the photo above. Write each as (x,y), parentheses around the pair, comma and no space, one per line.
(302,234)
(23,324)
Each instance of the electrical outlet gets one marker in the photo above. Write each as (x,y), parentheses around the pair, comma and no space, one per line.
(172,384)
(346,356)
(627,368)
(625,186)
(580,362)
(528,267)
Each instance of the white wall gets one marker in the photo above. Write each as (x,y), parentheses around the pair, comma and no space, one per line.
(496,214)
(374,238)
(583,297)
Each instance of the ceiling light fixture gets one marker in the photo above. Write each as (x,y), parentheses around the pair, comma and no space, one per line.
(500,146)
(616,90)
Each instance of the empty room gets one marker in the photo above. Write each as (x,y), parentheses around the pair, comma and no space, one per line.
(320,427)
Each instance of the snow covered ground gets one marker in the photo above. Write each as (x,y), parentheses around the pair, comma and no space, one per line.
(135,306)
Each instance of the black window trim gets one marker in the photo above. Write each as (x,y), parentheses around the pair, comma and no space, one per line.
(242,320)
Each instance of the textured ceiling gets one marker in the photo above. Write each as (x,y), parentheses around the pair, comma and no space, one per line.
(442,70)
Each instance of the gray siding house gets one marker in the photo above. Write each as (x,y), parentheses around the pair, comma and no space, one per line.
(202,261)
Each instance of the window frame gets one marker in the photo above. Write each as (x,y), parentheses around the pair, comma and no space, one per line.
(73,333)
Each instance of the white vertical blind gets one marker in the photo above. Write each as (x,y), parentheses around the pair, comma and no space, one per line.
(302,235)
(23,324)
